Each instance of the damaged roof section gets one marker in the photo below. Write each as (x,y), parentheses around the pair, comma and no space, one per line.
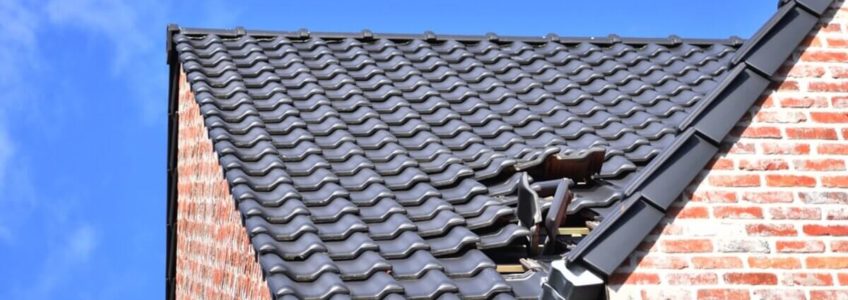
(371,165)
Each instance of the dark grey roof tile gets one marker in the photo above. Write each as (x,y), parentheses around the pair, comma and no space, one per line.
(342,228)
(301,271)
(443,220)
(391,227)
(456,239)
(415,266)
(467,265)
(378,286)
(356,162)
(325,286)
(433,284)
(299,249)
(382,210)
(362,267)
(483,285)
(351,247)
(402,246)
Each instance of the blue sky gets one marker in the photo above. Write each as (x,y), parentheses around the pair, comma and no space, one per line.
(83,93)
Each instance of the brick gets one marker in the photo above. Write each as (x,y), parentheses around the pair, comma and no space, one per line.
(840,149)
(829,294)
(768,197)
(837,42)
(827,262)
(740,148)
(839,246)
(785,148)
(761,132)
(803,102)
(823,197)
(843,278)
(811,133)
(780,294)
(795,213)
(716,262)
(839,213)
(788,86)
(780,116)
(738,212)
(829,117)
(693,212)
(820,230)
(663,262)
(839,101)
(743,246)
(634,278)
(750,278)
(692,278)
(840,181)
(714,196)
(819,165)
(838,71)
(723,294)
(767,101)
(790,180)
(840,86)
(811,55)
(721,164)
(687,246)
(772,262)
(807,279)
(664,294)
(800,70)
(799,246)
(771,230)
(763,164)
(734,180)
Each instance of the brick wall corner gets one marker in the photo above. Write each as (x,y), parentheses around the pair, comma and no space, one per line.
(214,257)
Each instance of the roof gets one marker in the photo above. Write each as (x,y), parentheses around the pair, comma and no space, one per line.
(370,165)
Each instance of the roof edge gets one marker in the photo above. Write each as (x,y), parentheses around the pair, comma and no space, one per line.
(171,167)
(754,69)
(430,36)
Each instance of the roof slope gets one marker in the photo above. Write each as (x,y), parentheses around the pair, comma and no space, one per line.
(375,165)
(361,155)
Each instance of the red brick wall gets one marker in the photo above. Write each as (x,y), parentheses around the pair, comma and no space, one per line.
(215,259)
(769,218)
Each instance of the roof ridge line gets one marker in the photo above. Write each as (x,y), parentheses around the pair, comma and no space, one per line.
(303,33)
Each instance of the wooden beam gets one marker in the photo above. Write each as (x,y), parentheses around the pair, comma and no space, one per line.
(573,231)
(510,268)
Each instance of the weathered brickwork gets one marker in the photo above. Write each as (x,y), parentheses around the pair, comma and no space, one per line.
(215,259)
(769,218)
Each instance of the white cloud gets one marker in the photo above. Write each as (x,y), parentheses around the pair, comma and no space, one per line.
(7,149)
(18,49)
(133,29)
(18,22)
(18,45)
(67,254)
(81,244)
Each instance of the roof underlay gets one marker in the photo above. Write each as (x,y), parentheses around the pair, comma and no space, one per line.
(382,165)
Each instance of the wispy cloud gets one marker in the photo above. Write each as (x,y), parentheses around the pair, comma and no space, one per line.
(70,242)
(17,32)
(118,21)
(76,249)
(7,149)
(18,49)
(128,26)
